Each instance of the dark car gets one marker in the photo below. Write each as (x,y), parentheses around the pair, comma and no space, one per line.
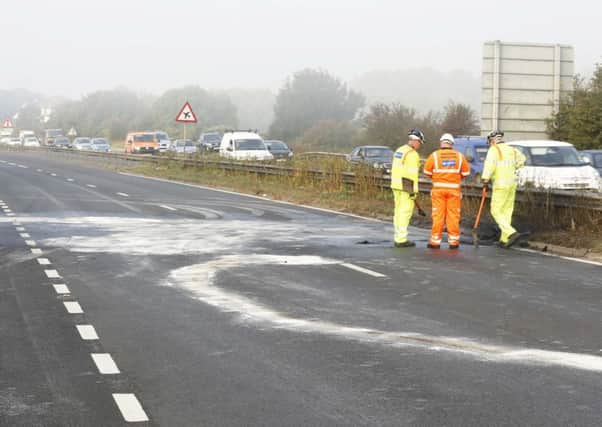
(380,157)
(62,142)
(594,158)
(210,141)
(278,149)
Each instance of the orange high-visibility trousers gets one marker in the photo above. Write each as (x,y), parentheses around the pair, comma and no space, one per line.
(447,205)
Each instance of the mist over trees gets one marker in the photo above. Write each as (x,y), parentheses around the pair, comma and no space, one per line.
(311,96)
(579,117)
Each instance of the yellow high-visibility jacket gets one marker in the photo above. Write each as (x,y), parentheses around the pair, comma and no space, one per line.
(501,164)
(406,164)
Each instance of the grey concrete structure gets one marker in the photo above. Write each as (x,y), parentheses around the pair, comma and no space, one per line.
(522,84)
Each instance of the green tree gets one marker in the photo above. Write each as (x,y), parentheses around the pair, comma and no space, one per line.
(328,135)
(309,97)
(460,119)
(579,117)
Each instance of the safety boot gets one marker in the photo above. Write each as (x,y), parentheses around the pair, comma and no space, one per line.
(406,244)
(433,246)
(454,247)
(512,239)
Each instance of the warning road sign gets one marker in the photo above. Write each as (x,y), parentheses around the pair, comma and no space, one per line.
(186,114)
(72,132)
(7,124)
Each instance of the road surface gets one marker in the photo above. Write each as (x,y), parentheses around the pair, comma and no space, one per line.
(132,300)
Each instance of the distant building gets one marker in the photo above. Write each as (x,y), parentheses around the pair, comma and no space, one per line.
(522,84)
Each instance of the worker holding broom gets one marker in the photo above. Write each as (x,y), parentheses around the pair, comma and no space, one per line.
(501,164)
(404,183)
(447,168)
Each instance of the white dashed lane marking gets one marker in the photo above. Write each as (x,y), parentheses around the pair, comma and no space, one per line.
(91,186)
(39,170)
(130,407)
(362,270)
(73,307)
(30,242)
(44,261)
(61,289)
(123,194)
(70,179)
(52,174)
(87,332)
(20,229)
(25,235)
(169,208)
(52,274)
(105,363)
(36,251)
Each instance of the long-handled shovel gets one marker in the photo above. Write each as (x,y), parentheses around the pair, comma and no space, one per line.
(420,211)
(475,229)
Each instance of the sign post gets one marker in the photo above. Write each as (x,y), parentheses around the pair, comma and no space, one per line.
(186,115)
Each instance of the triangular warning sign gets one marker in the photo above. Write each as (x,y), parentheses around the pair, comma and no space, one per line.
(186,115)
(7,124)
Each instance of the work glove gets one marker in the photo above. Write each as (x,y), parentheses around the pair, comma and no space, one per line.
(485,185)
(413,196)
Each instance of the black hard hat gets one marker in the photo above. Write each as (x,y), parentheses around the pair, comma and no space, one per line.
(416,134)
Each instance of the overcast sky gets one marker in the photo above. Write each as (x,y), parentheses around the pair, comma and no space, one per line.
(69,48)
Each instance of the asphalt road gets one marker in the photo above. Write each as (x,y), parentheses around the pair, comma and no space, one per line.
(185,306)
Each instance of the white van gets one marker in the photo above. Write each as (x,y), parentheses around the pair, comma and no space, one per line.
(238,145)
(555,165)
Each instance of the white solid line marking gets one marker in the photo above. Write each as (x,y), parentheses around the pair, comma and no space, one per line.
(20,228)
(583,261)
(105,363)
(30,242)
(91,186)
(73,307)
(362,270)
(123,194)
(130,407)
(25,235)
(44,261)
(61,289)
(52,274)
(169,208)
(87,332)
(36,251)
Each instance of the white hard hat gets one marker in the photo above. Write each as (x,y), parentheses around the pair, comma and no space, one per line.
(447,137)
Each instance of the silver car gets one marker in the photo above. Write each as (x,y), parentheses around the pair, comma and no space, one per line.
(100,145)
(82,144)
(183,146)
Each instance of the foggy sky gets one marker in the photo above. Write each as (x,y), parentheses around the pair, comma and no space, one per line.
(69,48)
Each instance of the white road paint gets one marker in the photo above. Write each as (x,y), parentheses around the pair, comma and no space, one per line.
(12,164)
(362,270)
(130,407)
(169,208)
(36,251)
(123,194)
(39,170)
(105,363)
(91,185)
(52,274)
(25,235)
(70,179)
(44,261)
(61,289)
(30,243)
(73,307)
(87,332)
(20,229)
(24,167)
(10,214)
(52,174)
(199,281)
(581,260)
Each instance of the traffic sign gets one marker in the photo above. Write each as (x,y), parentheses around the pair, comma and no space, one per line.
(7,124)
(72,132)
(186,115)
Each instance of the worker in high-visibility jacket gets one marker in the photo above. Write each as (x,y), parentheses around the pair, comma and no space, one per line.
(447,168)
(501,164)
(404,183)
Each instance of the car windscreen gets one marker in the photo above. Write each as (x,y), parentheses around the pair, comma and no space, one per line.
(100,142)
(278,146)
(145,137)
(597,160)
(189,144)
(82,141)
(212,138)
(481,153)
(554,156)
(378,152)
(249,144)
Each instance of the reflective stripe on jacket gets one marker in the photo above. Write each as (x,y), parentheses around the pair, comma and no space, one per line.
(447,167)
(501,164)
(406,164)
